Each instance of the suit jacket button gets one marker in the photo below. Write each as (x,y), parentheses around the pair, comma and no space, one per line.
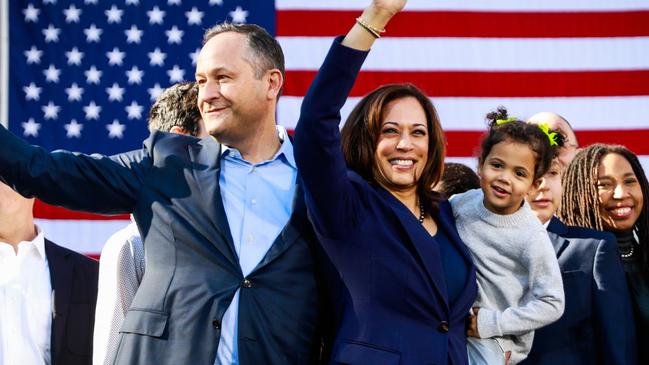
(443,327)
(247,283)
(216,324)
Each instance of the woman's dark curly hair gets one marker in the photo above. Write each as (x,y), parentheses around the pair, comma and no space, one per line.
(515,130)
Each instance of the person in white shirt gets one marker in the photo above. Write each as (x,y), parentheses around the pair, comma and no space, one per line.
(122,258)
(47,292)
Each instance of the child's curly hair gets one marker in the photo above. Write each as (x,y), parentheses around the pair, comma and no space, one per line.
(515,130)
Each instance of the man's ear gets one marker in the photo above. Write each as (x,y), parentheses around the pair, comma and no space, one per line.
(178,130)
(275,83)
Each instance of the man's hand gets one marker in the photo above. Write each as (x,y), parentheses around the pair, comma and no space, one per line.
(472,328)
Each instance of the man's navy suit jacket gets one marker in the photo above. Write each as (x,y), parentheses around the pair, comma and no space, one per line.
(192,274)
(597,324)
(74,286)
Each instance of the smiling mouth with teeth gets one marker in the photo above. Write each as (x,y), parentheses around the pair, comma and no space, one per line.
(402,162)
(499,190)
(620,212)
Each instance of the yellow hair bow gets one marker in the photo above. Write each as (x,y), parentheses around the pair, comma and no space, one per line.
(508,120)
(551,136)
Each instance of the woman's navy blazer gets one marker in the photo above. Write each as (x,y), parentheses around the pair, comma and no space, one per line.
(388,283)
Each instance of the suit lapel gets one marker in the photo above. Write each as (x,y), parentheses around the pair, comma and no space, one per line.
(426,248)
(445,222)
(206,160)
(290,232)
(556,231)
(61,270)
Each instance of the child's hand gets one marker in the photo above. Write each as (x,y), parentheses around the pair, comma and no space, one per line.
(472,328)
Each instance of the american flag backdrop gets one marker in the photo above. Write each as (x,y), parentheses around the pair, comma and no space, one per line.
(81,75)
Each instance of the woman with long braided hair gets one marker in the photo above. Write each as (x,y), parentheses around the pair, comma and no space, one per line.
(605,188)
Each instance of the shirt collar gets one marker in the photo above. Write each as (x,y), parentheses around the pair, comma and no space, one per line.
(38,242)
(285,149)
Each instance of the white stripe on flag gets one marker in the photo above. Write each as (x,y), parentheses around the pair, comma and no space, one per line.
(89,235)
(481,54)
(490,5)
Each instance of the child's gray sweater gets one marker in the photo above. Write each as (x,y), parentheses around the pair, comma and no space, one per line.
(519,282)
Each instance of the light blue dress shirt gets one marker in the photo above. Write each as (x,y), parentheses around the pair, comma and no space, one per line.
(258,201)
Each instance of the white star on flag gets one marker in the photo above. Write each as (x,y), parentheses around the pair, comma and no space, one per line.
(50,111)
(72,14)
(115,129)
(134,110)
(93,75)
(92,110)
(176,74)
(115,57)
(73,129)
(115,92)
(155,15)
(173,2)
(133,35)
(238,15)
(194,16)
(216,2)
(74,56)
(32,92)
(52,74)
(74,92)
(157,58)
(134,75)
(90,2)
(49,1)
(132,2)
(33,55)
(31,13)
(194,56)
(93,33)
(51,34)
(31,128)
(174,35)
(114,15)
(155,91)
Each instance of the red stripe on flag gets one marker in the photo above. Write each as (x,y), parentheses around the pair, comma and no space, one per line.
(46,211)
(493,84)
(325,23)
(467,143)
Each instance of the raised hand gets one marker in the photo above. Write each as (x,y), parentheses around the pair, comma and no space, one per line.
(389,6)
(373,20)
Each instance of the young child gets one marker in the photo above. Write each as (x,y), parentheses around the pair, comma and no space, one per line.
(519,282)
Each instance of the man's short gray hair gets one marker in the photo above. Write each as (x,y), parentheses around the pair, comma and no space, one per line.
(266,52)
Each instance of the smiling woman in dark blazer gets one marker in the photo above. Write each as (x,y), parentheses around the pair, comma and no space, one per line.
(597,324)
(605,188)
(403,280)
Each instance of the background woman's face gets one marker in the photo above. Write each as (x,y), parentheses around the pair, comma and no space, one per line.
(619,192)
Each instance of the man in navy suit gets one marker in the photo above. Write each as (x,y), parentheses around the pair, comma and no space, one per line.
(597,324)
(230,269)
(47,292)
